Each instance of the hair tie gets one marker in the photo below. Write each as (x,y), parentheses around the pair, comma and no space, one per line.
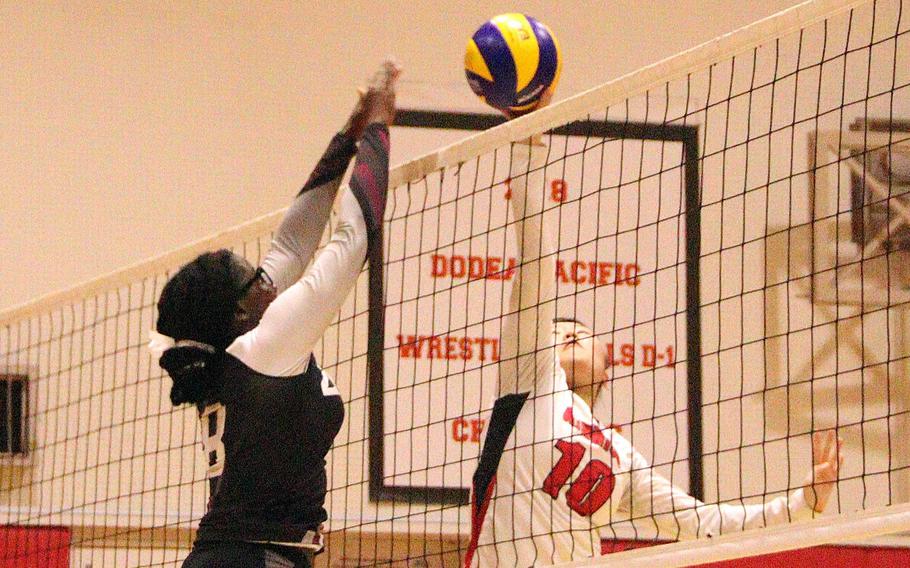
(197,344)
(159,343)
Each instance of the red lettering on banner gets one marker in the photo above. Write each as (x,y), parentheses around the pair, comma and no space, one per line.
(473,267)
(467,430)
(448,347)
(495,344)
(628,355)
(623,355)
(559,190)
(497,268)
(458,267)
(435,350)
(575,271)
(467,348)
(458,430)
(597,273)
(604,272)
(630,275)
(410,347)
(561,274)
(511,271)
(492,270)
(451,348)
(476,429)
(440,266)
(648,355)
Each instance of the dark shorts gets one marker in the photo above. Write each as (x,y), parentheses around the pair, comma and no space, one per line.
(247,555)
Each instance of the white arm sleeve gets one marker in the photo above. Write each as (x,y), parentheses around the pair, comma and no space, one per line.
(299,234)
(301,229)
(681,516)
(526,337)
(282,342)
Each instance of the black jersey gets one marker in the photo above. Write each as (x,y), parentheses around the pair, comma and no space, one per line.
(266,441)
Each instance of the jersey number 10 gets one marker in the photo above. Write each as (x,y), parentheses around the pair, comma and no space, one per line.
(590,490)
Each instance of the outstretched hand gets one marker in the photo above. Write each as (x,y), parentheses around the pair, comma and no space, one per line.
(377,100)
(826,461)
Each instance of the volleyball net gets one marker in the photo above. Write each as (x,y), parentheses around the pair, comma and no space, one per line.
(733,223)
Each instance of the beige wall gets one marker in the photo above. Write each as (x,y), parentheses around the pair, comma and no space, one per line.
(131,128)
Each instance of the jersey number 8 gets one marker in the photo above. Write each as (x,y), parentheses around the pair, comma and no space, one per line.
(213,419)
(590,490)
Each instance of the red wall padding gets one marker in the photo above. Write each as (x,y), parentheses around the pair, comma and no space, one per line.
(34,547)
(819,556)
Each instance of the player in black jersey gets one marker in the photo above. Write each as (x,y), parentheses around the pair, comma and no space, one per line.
(238,344)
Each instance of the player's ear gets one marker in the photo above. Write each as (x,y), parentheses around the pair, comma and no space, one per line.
(241,323)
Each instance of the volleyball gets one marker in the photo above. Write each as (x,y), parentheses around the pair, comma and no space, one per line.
(511,61)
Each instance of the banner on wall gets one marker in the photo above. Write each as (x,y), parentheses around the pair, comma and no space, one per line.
(618,194)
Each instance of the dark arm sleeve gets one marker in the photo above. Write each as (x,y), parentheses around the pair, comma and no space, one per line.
(333,164)
(282,342)
(300,231)
(370,180)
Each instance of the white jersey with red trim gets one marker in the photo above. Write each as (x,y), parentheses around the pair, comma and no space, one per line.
(550,475)
(563,476)
(556,481)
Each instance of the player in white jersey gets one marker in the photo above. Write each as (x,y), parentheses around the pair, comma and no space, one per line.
(550,474)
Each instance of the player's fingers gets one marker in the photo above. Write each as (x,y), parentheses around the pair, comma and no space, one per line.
(824,450)
(835,449)
(818,447)
(825,474)
(389,74)
(378,79)
(361,99)
(387,67)
(828,445)
(392,68)
(392,73)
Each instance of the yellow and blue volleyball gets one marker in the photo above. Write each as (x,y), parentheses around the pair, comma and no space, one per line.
(511,61)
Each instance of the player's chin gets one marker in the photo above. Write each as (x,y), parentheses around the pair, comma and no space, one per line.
(579,376)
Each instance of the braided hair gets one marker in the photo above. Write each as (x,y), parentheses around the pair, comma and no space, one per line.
(197,308)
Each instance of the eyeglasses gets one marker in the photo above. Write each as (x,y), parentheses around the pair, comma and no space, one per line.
(260,274)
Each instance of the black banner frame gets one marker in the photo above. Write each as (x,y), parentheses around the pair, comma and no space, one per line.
(685,134)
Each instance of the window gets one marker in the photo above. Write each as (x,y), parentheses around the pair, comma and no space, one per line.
(13,412)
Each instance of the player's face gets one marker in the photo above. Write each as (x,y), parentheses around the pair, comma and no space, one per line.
(582,356)
(257,292)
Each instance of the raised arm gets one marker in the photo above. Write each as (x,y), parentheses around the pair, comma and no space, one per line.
(527,329)
(282,342)
(681,516)
(300,231)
